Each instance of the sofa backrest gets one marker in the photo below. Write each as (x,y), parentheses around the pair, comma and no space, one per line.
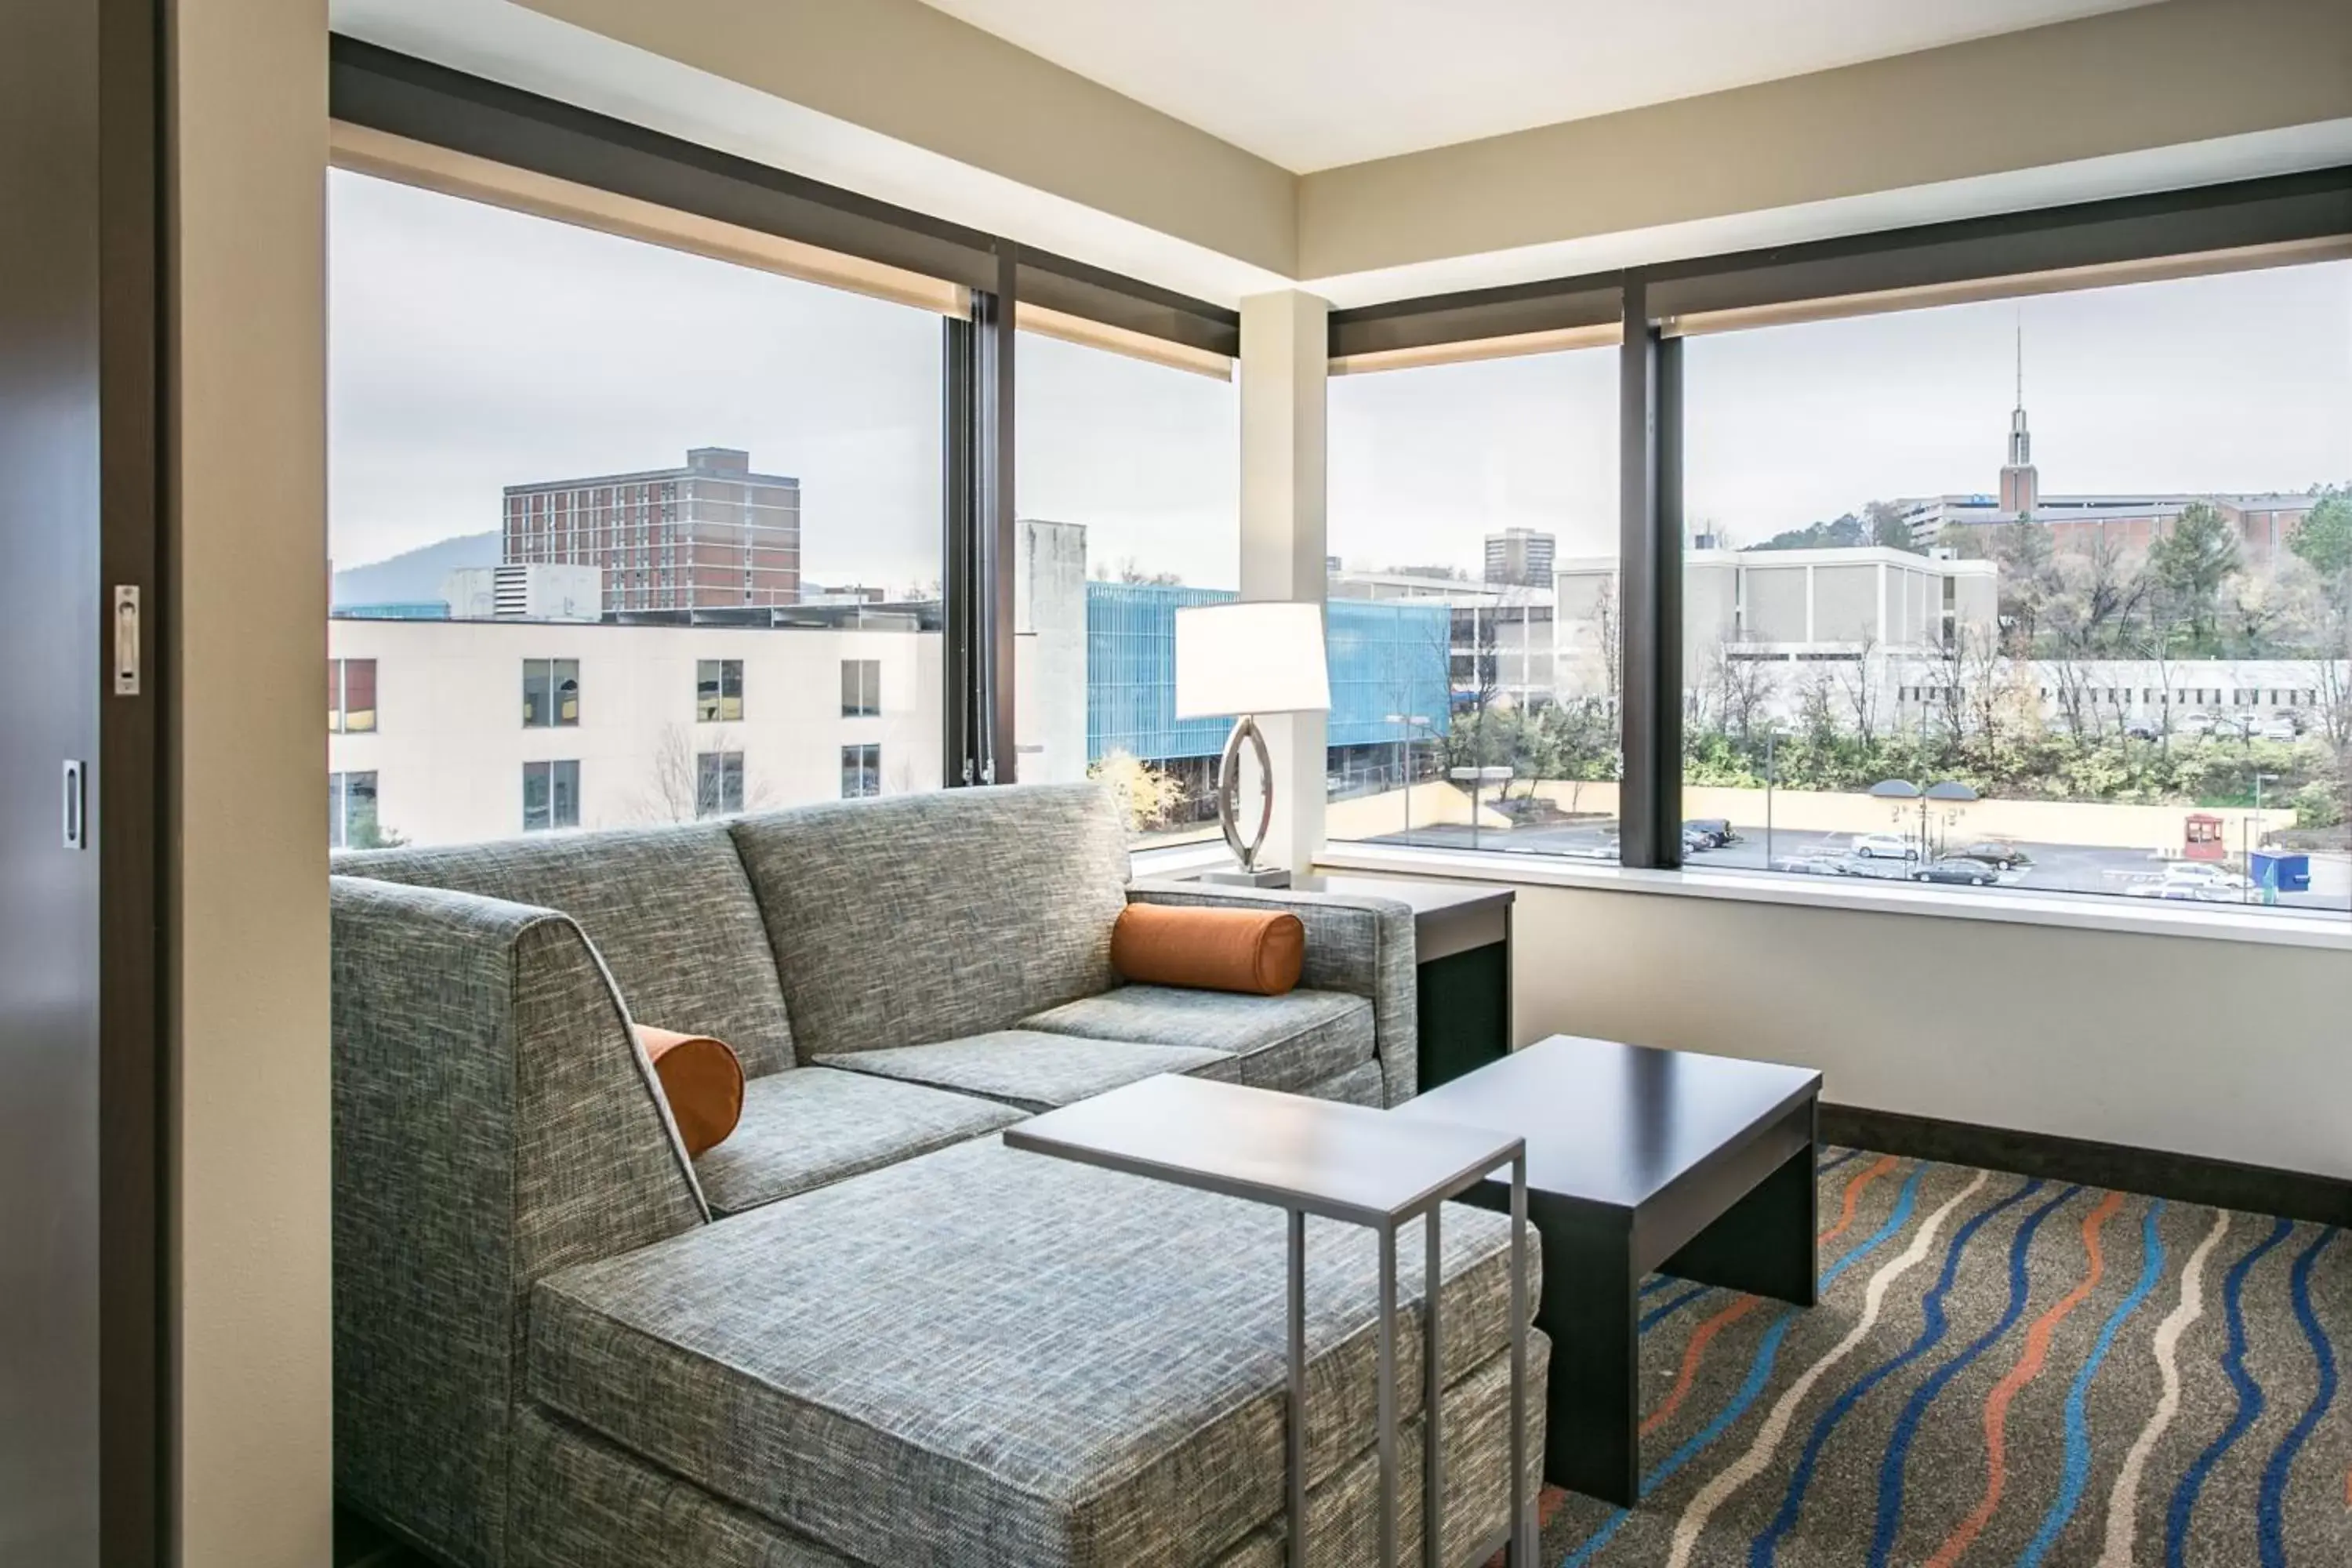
(494,1121)
(908,919)
(668,908)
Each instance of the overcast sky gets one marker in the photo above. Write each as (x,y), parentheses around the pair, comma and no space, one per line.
(472,348)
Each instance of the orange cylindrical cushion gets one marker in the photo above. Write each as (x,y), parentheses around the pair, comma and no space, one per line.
(1255,951)
(703,1081)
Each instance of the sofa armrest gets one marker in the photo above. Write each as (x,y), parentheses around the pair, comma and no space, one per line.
(1355,943)
(494,1120)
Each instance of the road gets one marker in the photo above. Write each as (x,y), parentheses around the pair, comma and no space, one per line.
(2077,870)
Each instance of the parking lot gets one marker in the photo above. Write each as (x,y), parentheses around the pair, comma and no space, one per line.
(2075,869)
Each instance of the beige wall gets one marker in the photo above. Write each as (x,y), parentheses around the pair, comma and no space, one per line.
(921,77)
(250,1254)
(2225,1049)
(2159,76)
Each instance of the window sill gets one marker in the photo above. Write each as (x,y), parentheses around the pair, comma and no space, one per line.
(2210,923)
(1178,860)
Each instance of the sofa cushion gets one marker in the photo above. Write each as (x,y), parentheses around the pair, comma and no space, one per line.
(1032,1071)
(1285,1042)
(668,908)
(987,1358)
(815,1126)
(908,919)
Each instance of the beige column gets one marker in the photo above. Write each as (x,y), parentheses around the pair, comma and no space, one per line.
(249,1263)
(1286,355)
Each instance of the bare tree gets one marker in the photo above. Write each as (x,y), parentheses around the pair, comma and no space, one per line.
(675,788)
(1859,682)
(1741,689)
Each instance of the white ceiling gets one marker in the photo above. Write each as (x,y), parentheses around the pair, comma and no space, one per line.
(1312,84)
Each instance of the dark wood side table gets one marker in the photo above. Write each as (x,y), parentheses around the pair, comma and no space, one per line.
(1462,943)
(1639,1159)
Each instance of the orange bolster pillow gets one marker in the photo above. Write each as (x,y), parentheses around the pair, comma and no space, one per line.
(1259,952)
(702,1080)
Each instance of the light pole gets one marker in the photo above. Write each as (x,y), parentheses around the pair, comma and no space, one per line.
(1473,777)
(2245,894)
(1404,765)
(1771,734)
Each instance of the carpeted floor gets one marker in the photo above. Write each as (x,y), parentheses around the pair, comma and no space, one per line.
(2001,1371)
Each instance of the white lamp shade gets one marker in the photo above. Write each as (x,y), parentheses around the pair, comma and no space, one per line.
(1250,658)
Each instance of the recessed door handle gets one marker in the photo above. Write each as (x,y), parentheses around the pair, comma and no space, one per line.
(76,807)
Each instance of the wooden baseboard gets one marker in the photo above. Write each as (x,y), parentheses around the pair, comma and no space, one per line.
(2184,1178)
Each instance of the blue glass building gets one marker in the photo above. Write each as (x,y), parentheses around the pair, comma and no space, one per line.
(1387,657)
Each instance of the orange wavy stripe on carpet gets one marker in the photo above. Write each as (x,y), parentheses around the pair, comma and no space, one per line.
(2028,1367)
(1693,1355)
(1853,1191)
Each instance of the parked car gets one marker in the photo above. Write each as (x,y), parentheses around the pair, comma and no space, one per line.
(1955,868)
(1815,863)
(1993,852)
(1695,842)
(1718,829)
(2203,874)
(2141,729)
(2277,730)
(2198,723)
(1884,845)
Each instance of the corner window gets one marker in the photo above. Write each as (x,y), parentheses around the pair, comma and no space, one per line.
(350,696)
(718,690)
(719,783)
(1130,506)
(1471,624)
(861,771)
(551,795)
(550,693)
(351,821)
(2063,548)
(861,687)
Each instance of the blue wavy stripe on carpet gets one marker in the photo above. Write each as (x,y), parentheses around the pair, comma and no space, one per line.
(1903,1204)
(1760,1373)
(1766,1547)
(1759,1370)
(1906,1425)
(1655,1316)
(2249,1400)
(2078,1427)
(1650,1286)
(2270,1516)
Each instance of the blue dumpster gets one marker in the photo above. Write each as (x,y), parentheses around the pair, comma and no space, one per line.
(2280,873)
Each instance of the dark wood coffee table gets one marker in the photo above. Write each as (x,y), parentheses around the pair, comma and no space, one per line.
(1640,1160)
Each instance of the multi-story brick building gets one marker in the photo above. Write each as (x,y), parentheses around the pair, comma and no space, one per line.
(710,535)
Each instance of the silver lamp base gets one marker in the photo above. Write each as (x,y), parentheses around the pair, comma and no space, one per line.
(1249,873)
(1263,876)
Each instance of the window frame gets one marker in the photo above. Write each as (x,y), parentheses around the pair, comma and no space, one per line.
(551,770)
(2273,221)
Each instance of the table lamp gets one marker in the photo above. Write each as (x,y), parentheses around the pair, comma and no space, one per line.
(1248,658)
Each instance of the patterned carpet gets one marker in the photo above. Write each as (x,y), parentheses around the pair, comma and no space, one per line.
(2001,1371)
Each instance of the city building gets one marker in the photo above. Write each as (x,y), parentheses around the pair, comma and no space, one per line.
(541,591)
(1521,557)
(710,534)
(1789,614)
(484,728)
(2128,524)
(1500,637)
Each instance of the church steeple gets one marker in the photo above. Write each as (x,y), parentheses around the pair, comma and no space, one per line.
(2021,482)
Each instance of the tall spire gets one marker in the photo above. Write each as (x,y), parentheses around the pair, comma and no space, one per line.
(2021,485)
(2020,440)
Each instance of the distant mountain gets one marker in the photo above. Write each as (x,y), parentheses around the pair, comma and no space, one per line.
(413,575)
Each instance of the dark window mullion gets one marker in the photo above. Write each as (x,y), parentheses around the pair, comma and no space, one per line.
(1649,587)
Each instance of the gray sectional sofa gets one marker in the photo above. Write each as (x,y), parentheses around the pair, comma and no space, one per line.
(861,1330)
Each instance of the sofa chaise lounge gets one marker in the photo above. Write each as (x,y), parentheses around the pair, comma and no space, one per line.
(860,1331)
